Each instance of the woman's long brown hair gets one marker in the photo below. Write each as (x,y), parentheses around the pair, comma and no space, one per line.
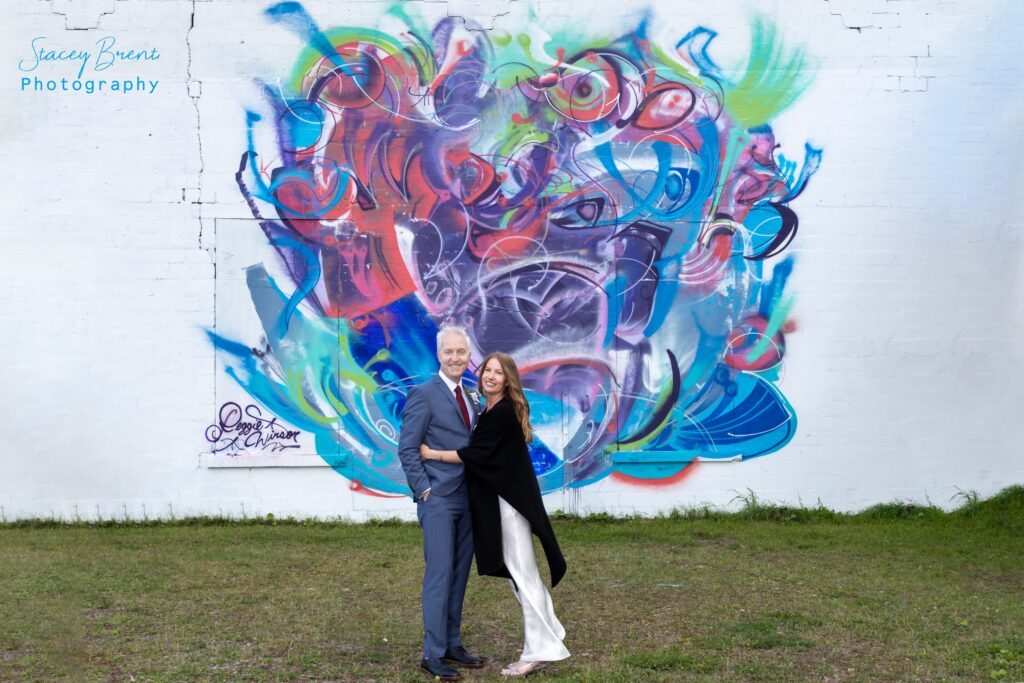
(513,390)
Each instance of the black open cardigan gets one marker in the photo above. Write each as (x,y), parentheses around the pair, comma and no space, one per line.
(498,464)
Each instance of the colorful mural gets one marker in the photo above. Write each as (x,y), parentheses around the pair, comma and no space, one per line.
(611,212)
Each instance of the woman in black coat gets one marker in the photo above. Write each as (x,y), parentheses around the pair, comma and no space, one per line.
(506,508)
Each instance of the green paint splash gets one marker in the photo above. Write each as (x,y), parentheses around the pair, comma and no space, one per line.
(774,78)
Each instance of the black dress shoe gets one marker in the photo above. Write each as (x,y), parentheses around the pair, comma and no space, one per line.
(438,669)
(458,655)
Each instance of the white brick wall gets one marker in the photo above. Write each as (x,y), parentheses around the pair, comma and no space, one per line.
(905,372)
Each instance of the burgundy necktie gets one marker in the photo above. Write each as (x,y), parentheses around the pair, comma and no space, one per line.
(462,404)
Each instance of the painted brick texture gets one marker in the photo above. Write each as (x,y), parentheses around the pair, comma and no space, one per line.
(127,239)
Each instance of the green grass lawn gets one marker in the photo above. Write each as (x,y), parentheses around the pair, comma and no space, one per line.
(896,593)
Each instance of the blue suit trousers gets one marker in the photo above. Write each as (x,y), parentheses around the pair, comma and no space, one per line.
(448,553)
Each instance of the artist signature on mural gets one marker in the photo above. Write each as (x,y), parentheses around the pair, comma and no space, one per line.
(246,429)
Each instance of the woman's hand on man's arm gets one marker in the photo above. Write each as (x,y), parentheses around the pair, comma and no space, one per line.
(428,453)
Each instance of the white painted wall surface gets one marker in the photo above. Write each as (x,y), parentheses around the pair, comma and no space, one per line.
(905,371)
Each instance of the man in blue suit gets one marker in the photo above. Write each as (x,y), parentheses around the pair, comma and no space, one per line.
(441,415)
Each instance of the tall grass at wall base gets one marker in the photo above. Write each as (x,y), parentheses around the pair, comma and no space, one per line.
(1004,510)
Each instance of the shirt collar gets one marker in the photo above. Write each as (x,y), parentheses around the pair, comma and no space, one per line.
(450,384)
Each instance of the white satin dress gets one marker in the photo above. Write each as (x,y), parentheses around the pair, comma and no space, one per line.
(544,633)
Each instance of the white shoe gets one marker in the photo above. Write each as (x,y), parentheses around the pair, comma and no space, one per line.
(522,668)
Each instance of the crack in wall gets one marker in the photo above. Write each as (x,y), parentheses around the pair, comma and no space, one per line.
(905,82)
(78,16)
(865,10)
(195,90)
(472,24)
(857,28)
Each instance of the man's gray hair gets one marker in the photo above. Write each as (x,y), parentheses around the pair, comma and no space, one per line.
(450,329)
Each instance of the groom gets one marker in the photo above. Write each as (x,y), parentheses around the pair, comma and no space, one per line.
(439,414)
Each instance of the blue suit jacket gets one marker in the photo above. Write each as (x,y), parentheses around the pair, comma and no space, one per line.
(432,416)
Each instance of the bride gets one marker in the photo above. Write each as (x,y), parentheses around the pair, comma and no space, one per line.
(506,507)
